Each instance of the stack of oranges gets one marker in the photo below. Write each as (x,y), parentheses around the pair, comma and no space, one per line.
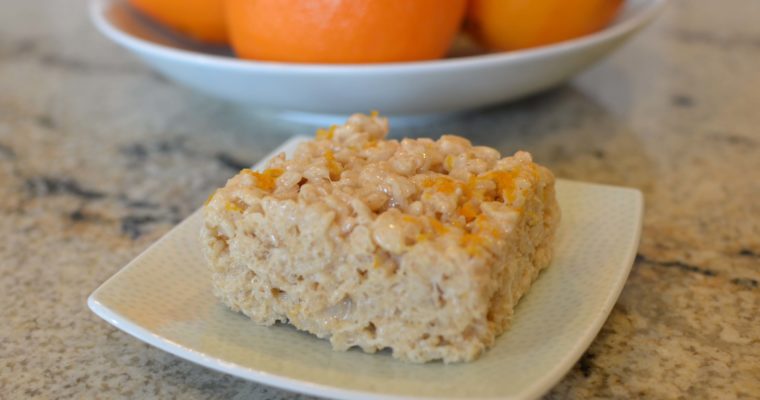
(369,31)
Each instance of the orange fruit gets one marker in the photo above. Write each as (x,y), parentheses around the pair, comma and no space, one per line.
(343,31)
(519,24)
(201,20)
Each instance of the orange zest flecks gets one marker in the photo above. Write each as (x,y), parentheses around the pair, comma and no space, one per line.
(326,134)
(483,225)
(430,227)
(469,211)
(370,144)
(210,197)
(500,185)
(266,179)
(442,184)
(437,226)
(472,243)
(235,206)
(378,260)
(448,162)
(505,183)
(333,166)
(409,218)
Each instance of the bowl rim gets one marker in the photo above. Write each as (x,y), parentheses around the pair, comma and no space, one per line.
(642,13)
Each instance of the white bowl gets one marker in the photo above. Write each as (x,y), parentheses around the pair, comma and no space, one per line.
(439,86)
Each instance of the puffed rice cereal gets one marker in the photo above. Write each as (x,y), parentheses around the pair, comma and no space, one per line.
(420,246)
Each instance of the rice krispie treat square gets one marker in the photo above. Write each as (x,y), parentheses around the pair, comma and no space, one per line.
(420,246)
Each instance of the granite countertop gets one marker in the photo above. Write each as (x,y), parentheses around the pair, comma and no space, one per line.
(100,156)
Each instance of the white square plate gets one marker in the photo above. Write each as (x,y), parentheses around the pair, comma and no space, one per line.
(164,298)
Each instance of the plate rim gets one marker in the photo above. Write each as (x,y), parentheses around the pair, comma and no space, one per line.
(98,9)
(534,390)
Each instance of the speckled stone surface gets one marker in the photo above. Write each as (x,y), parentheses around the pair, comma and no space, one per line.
(99,157)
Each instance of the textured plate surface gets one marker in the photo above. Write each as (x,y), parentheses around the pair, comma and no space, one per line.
(163,297)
